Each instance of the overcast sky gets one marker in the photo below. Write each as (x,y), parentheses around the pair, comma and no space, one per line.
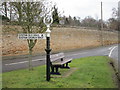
(83,8)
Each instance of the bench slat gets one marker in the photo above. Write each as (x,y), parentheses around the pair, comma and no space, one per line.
(56,57)
(62,62)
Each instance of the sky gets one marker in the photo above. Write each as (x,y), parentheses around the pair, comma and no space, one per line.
(83,8)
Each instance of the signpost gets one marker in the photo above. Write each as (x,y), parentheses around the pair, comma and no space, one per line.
(32,36)
(48,21)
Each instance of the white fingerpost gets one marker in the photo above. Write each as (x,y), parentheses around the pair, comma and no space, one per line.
(48,21)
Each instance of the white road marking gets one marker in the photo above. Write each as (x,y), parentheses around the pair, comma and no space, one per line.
(23,62)
(112,50)
(16,63)
(39,59)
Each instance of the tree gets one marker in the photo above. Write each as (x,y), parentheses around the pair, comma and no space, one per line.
(2,17)
(70,20)
(29,18)
(5,8)
(76,21)
(112,24)
(114,13)
(66,21)
(10,11)
(55,15)
(91,22)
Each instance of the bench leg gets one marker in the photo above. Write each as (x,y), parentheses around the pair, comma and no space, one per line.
(55,73)
(62,66)
(65,66)
(56,69)
(52,69)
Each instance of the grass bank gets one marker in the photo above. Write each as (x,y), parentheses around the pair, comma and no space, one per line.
(89,72)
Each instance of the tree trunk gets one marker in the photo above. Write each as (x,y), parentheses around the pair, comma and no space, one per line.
(30,60)
(5,9)
(10,12)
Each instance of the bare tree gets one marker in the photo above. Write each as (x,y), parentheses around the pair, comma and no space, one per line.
(10,11)
(113,23)
(29,17)
(5,8)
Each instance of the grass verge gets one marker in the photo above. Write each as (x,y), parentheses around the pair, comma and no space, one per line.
(89,72)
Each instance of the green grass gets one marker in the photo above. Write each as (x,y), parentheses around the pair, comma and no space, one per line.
(91,72)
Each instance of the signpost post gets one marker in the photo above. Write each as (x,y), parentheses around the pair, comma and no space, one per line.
(48,21)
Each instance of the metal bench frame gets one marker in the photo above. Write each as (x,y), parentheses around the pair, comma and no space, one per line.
(59,61)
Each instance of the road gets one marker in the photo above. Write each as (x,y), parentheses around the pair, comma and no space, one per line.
(20,63)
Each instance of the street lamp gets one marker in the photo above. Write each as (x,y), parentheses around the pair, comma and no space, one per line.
(48,21)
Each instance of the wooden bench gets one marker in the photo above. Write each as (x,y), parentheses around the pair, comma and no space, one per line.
(59,61)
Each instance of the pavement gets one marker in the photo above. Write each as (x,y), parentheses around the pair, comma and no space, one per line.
(21,63)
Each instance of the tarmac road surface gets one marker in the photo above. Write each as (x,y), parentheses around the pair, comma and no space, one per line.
(21,63)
